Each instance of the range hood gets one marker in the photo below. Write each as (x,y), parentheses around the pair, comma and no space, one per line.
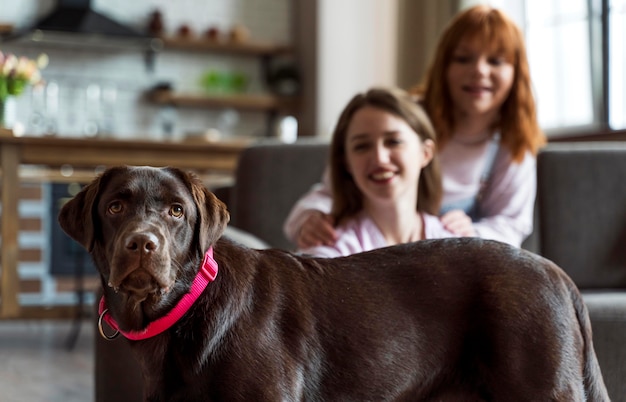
(76,23)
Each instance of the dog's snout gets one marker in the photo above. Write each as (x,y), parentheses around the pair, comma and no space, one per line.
(140,263)
(144,242)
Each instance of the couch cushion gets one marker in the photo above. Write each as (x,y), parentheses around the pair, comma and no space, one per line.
(245,238)
(582,211)
(606,305)
(607,311)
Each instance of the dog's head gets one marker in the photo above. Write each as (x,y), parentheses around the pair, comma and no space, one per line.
(146,228)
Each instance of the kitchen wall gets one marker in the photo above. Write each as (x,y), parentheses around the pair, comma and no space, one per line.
(341,48)
(107,86)
(356,50)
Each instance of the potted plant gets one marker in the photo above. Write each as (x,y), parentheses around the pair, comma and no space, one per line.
(16,73)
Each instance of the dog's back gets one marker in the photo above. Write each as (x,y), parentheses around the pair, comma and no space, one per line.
(435,318)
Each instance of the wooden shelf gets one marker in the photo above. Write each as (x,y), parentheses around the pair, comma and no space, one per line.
(253,102)
(247,48)
(270,104)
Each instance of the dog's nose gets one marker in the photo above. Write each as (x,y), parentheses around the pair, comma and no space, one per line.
(144,242)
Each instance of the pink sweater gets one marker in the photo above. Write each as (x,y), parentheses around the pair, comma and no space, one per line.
(361,234)
(507,205)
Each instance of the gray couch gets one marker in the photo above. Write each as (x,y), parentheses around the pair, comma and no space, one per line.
(581,225)
(581,202)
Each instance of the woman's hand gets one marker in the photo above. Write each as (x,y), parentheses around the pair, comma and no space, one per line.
(457,222)
(317,229)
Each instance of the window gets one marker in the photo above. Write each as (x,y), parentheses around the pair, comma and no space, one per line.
(617,64)
(577,60)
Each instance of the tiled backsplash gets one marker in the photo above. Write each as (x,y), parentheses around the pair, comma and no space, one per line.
(105,88)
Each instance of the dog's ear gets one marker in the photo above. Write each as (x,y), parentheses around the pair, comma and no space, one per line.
(76,217)
(213,213)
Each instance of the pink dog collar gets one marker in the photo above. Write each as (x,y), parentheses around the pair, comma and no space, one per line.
(207,273)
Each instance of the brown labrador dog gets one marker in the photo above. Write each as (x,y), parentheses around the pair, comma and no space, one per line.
(437,320)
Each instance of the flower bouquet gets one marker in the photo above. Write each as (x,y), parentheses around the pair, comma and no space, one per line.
(16,73)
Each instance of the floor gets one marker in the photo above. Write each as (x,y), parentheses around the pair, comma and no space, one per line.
(37,365)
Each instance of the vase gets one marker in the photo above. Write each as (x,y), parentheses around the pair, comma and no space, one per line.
(7,112)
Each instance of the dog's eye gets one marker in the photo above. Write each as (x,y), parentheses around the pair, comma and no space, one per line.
(176,211)
(115,207)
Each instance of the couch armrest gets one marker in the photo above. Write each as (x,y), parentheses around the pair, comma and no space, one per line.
(269,179)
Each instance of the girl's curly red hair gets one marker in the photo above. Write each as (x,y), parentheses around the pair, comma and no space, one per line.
(518,125)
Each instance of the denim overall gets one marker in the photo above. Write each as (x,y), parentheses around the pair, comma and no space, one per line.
(471,206)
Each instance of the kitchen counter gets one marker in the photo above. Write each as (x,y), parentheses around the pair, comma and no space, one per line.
(50,158)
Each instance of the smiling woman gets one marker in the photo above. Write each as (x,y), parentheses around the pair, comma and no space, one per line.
(384,174)
(380,154)
(479,80)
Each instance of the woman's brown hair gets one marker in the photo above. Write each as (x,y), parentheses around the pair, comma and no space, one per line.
(518,125)
(347,198)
